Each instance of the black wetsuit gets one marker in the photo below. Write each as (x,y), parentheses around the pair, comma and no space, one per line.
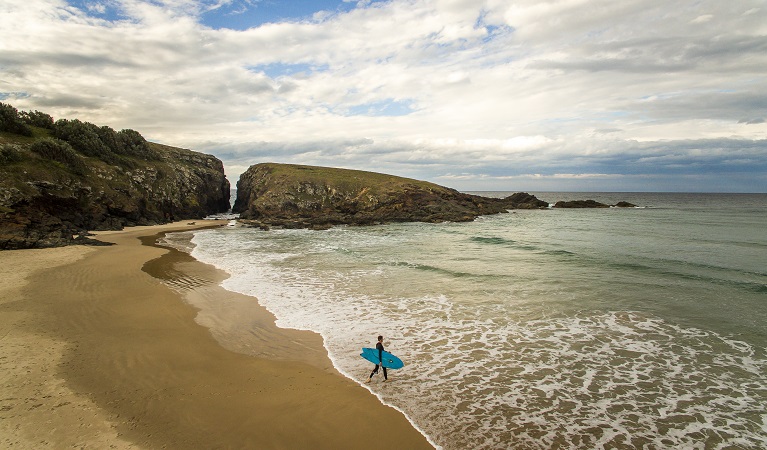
(380,348)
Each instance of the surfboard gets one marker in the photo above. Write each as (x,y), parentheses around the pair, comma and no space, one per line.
(389,361)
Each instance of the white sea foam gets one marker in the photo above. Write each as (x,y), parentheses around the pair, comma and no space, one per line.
(181,241)
(492,371)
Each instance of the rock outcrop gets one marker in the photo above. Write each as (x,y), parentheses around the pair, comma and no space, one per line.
(590,204)
(580,204)
(52,192)
(295,196)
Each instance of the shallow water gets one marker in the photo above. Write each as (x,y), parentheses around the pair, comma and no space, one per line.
(600,328)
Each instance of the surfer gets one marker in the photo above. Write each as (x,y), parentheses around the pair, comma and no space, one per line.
(380,348)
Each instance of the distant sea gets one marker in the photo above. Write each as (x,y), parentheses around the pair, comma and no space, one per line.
(563,328)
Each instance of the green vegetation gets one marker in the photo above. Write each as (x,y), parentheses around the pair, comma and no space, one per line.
(12,122)
(103,142)
(348,179)
(37,119)
(9,155)
(58,150)
(117,148)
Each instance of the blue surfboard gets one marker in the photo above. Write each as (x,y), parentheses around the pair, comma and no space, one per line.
(389,361)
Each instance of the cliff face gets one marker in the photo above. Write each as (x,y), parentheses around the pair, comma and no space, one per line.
(316,197)
(48,198)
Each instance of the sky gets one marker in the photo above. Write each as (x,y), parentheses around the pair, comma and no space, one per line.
(533,95)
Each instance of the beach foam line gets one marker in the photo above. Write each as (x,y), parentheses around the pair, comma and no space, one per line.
(240,323)
(281,325)
(384,402)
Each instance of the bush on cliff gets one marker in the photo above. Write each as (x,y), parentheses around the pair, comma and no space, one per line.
(60,151)
(103,142)
(132,143)
(113,147)
(83,136)
(37,119)
(11,122)
(9,155)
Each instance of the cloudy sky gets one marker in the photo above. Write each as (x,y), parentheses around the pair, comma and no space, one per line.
(578,95)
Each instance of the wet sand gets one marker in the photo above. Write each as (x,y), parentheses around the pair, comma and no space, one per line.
(102,347)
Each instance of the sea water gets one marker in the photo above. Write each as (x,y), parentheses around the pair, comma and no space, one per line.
(591,328)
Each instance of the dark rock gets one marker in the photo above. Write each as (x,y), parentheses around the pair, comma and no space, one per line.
(580,204)
(590,204)
(523,200)
(293,196)
(83,240)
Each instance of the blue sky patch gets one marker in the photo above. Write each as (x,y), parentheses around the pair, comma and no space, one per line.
(242,15)
(237,15)
(388,107)
(100,10)
(14,95)
(276,70)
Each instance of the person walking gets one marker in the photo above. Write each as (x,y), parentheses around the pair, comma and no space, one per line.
(380,348)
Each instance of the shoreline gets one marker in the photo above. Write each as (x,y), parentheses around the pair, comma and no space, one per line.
(96,352)
(236,321)
(231,327)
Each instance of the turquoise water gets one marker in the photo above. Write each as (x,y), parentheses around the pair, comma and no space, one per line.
(599,328)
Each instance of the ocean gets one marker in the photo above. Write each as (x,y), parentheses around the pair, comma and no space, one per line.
(562,328)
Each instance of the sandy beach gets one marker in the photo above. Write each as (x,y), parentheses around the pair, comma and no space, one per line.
(102,347)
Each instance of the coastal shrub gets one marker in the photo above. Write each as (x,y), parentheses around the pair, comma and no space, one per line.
(132,143)
(37,119)
(9,155)
(84,137)
(11,122)
(108,138)
(103,142)
(58,150)
(126,142)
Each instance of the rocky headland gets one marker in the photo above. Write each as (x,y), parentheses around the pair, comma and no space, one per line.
(296,196)
(59,180)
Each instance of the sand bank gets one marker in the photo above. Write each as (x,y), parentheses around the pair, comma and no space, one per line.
(97,353)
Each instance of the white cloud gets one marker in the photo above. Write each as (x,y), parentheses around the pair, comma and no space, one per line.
(485,82)
(703,19)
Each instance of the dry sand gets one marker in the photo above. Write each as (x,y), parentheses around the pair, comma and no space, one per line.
(97,353)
